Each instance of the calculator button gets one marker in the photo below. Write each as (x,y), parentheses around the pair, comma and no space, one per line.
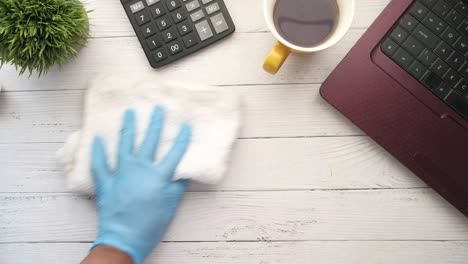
(169,35)
(142,17)
(184,28)
(152,2)
(138,6)
(173,4)
(148,30)
(160,55)
(219,23)
(212,8)
(204,30)
(154,43)
(206,1)
(163,23)
(192,5)
(190,40)
(197,15)
(158,10)
(178,16)
(175,47)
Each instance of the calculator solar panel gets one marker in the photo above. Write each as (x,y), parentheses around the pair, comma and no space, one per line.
(169,30)
(431,42)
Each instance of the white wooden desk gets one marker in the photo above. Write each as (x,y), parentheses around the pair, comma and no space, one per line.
(306,186)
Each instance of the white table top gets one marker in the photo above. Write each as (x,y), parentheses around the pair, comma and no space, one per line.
(306,186)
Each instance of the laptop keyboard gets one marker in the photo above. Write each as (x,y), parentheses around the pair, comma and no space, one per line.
(430,42)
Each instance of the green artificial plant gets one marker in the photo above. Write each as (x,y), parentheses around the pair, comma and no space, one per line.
(37,34)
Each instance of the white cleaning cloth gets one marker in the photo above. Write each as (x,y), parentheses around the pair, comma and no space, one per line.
(213,112)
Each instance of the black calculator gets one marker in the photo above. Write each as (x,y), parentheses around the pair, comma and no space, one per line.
(172,29)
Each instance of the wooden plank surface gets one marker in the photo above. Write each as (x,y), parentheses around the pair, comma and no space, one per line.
(323,252)
(269,111)
(257,164)
(305,185)
(410,214)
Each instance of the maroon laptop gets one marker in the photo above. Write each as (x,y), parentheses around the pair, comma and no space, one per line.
(405,84)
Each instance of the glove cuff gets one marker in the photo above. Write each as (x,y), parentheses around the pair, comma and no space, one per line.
(115,242)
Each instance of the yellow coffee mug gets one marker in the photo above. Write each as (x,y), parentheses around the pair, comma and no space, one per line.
(283,48)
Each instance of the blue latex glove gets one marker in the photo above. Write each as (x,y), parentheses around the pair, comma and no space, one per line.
(137,202)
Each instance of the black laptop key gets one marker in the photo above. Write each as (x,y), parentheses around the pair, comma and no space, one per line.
(452,77)
(441,8)
(427,58)
(463,28)
(413,46)
(403,58)
(442,90)
(461,45)
(450,35)
(399,35)
(408,22)
(462,7)
(417,70)
(464,70)
(458,102)
(434,23)
(389,47)
(440,68)
(454,18)
(431,81)
(443,50)
(429,3)
(456,60)
(419,11)
(462,87)
(452,3)
(428,38)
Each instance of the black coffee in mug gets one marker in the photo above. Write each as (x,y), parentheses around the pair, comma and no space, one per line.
(306,23)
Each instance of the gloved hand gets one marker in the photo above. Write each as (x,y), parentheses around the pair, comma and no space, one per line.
(137,202)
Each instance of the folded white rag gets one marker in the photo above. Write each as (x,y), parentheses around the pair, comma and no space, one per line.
(214,114)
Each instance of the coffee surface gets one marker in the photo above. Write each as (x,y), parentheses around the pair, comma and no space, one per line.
(306,23)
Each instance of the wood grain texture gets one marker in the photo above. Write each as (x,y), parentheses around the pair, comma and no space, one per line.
(257,164)
(250,216)
(278,204)
(321,252)
(269,111)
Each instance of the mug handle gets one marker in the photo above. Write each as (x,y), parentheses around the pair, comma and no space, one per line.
(276,58)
